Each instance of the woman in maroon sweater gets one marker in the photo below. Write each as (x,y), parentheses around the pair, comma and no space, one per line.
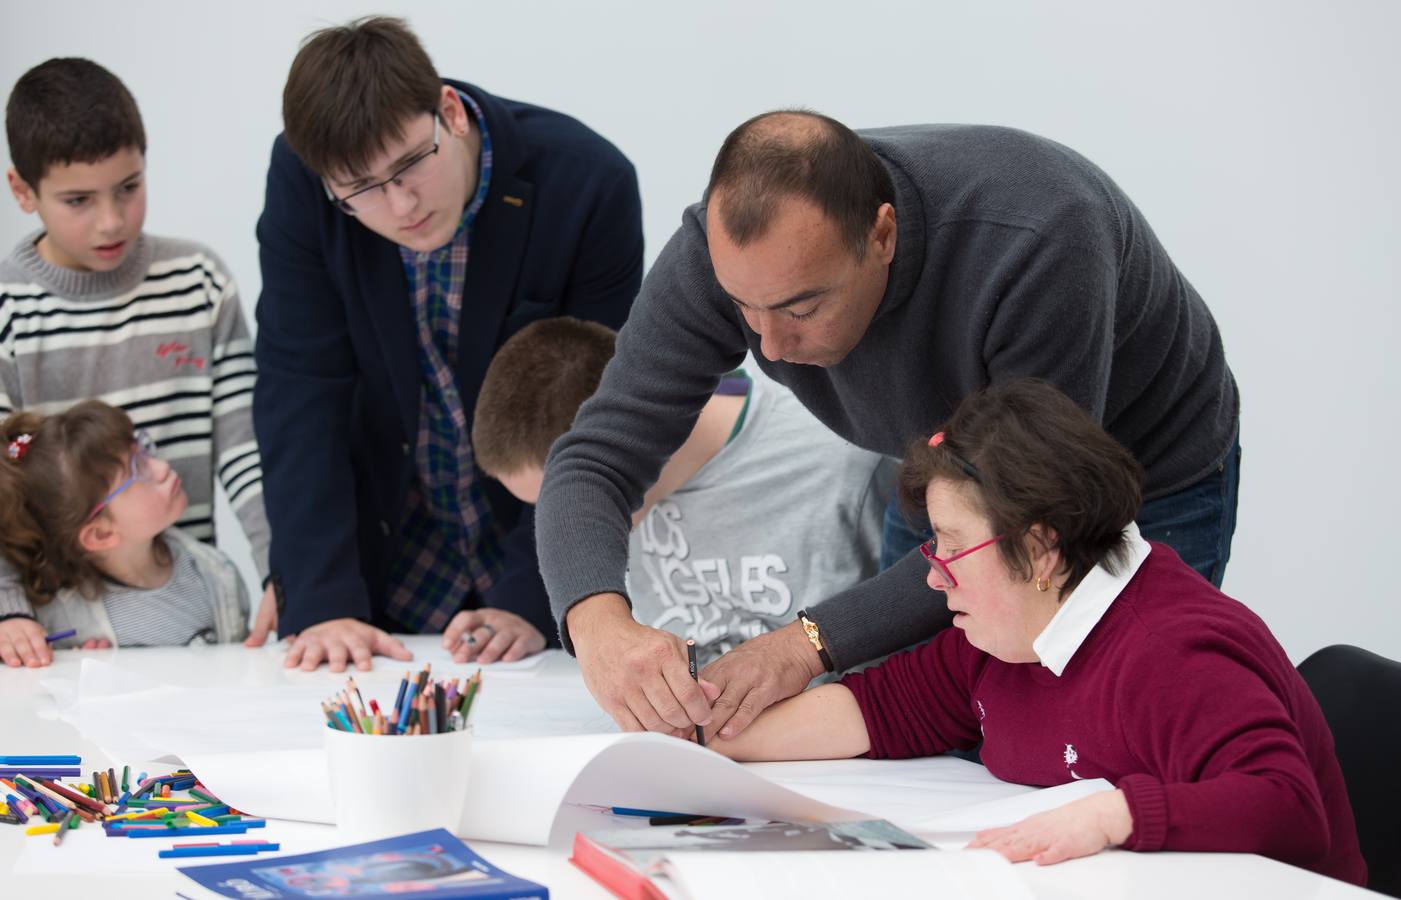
(1079,650)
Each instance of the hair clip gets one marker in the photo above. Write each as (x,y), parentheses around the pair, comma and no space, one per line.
(968,468)
(19,446)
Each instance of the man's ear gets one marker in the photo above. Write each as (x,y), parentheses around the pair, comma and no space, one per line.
(452,111)
(98,536)
(883,234)
(25,196)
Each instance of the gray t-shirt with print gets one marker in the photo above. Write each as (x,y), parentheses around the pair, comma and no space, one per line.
(786,514)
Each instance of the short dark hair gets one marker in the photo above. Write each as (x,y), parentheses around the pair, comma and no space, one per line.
(533,388)
(796,153)
(69,110)
(351,90)
(1039,459)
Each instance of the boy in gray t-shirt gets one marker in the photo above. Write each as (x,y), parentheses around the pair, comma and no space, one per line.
(760,511)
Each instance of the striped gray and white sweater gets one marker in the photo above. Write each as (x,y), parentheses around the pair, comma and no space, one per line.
(162,337)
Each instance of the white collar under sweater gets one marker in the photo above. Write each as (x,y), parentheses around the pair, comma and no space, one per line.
(1081,611)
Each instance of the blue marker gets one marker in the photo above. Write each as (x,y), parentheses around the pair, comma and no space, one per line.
(41,760)
(643,813)
(60,635)
(225,850)
(240,828)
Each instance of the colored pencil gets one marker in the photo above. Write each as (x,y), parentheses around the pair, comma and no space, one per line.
(69,821)
(72,795)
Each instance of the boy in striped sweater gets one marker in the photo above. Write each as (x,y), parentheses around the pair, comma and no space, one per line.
(91,307)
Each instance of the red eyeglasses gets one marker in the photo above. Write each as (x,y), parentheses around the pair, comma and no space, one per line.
(941,566)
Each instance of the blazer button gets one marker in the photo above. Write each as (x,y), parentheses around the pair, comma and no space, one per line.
(406,448)
(384,527)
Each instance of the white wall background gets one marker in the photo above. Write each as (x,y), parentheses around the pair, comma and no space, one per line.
(1261,138)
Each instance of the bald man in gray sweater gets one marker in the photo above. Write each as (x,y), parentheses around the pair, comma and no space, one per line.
(882,276)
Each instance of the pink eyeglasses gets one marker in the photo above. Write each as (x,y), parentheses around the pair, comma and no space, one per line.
(941,566)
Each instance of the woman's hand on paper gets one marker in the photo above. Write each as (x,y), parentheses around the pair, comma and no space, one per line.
(759,673)
(22,643)
(490,635)
(340,641)
(1081,828)
(638,674)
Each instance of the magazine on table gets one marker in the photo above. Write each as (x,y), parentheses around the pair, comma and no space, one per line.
(426,865)
(637,863)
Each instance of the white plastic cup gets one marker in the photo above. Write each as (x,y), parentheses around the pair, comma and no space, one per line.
(384,784)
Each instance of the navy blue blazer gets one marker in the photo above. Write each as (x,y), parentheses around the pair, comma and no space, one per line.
(337,399)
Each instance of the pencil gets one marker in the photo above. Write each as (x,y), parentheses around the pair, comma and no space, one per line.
(63,826)
(351,682)
(691,658)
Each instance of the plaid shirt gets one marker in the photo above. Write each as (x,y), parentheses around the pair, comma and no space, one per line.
(450,543)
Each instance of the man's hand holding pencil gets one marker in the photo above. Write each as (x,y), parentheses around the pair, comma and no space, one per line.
(639,675)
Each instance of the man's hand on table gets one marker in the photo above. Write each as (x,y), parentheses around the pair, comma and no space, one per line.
(639,675)
(488,635)
(265,622)
(759,673)
(340,641)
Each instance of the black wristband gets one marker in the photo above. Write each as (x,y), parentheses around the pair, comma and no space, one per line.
(8,616)
(815,638)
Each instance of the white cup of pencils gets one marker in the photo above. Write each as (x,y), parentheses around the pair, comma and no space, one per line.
(403,767)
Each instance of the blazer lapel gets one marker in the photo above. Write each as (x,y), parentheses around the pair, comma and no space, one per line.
(385,296)
(498,245)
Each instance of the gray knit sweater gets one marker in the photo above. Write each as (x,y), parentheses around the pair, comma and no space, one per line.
(1015,256)
(163,338)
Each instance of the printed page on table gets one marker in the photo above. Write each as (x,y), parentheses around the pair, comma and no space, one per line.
(969,875)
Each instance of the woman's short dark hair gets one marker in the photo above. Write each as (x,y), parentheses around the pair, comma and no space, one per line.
(1038,460)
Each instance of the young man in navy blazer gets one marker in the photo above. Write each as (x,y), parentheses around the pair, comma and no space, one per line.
(411,225)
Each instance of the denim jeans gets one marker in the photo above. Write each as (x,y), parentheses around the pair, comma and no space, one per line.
(1198,522)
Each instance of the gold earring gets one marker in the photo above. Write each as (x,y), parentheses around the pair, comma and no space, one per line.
(1043,584)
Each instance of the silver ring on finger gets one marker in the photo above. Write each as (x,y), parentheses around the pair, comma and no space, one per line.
(489,628)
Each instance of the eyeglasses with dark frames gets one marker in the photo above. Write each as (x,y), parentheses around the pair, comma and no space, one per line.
(412,173)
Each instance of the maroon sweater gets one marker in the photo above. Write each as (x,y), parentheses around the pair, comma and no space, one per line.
(1180,697)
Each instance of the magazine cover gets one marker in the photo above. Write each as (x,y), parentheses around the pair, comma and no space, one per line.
(427,864)
(646,846)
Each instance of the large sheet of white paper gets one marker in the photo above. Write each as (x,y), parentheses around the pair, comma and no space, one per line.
(531,790)
(543,749)
(132,716)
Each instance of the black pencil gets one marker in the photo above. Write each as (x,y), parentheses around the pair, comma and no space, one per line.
(691,657)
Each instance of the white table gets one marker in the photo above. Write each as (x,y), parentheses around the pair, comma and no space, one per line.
(27,725)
